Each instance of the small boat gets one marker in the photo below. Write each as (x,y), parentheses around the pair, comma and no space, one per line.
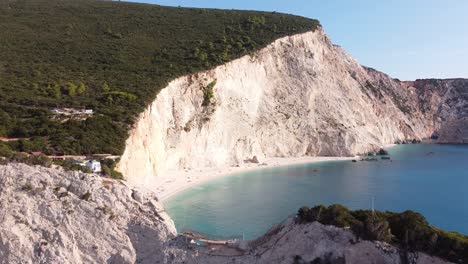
(369,159)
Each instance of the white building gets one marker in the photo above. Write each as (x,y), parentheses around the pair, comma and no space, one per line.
(94,166)
(72,111)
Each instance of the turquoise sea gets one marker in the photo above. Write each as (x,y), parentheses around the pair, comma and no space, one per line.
(427,178)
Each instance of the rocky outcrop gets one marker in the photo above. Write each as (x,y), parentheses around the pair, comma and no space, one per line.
(52,216)
(453,132)
(299,96)
(445,105)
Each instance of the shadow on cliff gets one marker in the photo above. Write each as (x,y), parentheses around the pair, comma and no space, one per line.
(146,242)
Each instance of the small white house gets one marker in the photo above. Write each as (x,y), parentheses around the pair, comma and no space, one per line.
(94,166)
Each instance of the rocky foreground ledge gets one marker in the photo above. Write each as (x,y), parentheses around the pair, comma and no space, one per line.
(52,216)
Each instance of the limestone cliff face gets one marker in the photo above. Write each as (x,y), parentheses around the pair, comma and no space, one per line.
(52,216)
(445,104)
(301,95)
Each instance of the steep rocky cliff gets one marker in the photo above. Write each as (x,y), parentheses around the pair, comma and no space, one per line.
(445,105)
(299,96)
(51,216)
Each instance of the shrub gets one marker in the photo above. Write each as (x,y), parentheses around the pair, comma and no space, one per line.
(20,157)
(208,93)
(5,151)
(27,187)
(108,169)
(408,229)
(257,20)
(69,165)
(86,196)
(81,88)
(116,175)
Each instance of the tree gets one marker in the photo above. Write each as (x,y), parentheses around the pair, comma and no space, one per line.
(208,93)
(117,175)
(225,56)
(5,151)
(70,88)
(3,131)
(105,88)
(196,52)
(256,21)
(211,46)
(81,88)
(203,57)
(41,160)
(55,92)
(106,170)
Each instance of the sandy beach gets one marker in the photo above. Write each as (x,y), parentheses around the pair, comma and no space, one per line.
(177,181)
(180,180)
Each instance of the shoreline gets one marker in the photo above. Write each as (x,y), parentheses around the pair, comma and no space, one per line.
(181,180)
(177,181)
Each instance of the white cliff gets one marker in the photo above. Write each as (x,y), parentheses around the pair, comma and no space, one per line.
(299,96)
(51,216)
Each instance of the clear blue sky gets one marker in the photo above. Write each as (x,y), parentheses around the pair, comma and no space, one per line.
(407,39)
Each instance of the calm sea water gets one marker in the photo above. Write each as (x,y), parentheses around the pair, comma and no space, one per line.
(430,179)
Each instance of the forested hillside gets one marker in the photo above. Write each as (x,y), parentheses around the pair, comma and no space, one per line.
(113,58)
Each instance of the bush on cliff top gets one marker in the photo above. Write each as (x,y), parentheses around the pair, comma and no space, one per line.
(112,57)
(5,150)
(408,229)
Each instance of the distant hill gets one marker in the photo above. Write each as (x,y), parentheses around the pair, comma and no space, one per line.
(112,57)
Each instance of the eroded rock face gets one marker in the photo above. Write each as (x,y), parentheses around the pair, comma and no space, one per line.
(445,104)
(299,96)
(51,216)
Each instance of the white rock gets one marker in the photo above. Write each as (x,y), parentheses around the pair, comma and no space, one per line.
(39,227)
(138,196)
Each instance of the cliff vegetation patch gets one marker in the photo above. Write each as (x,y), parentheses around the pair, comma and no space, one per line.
(208,93)
(408,229)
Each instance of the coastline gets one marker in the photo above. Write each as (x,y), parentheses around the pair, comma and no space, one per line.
(181,180)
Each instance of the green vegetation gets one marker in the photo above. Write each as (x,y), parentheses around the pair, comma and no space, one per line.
(8,155)
(107,211)
(70,165)
(36,144)
(5,151)
(27,187)
(408,229)
(108,169)
(114,58)
(208,93)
